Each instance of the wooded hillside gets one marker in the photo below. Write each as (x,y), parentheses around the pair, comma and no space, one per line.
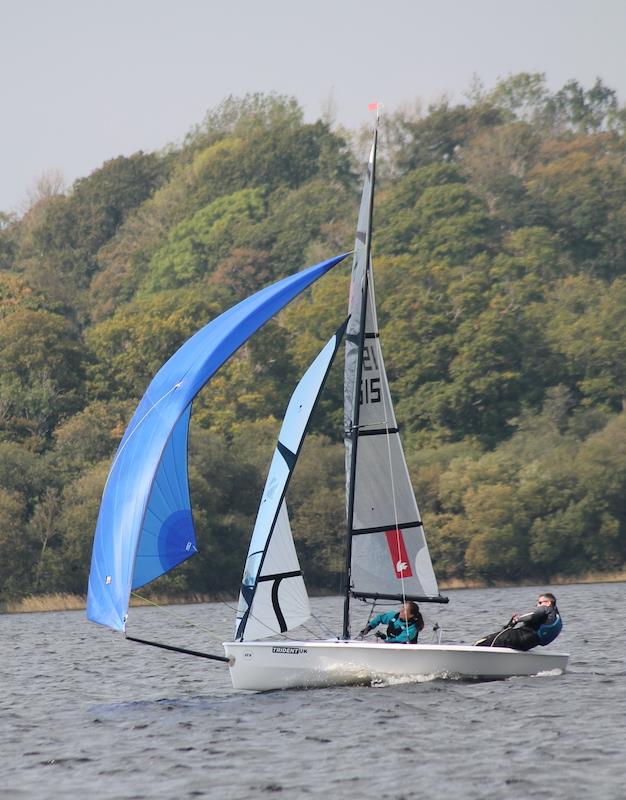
(500,265)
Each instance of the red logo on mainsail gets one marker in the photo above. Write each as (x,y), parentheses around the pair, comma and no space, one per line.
(399,557)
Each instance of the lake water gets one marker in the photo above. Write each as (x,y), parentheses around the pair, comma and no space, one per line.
(83,713)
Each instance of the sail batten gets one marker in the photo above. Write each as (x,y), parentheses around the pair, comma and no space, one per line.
(364,431)
(272,576)
(391,526)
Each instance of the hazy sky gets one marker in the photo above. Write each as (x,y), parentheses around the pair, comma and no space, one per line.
(87,80)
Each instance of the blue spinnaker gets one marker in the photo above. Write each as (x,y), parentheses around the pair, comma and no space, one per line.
(145,526)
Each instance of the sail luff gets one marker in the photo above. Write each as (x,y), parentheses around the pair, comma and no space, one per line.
(354,349)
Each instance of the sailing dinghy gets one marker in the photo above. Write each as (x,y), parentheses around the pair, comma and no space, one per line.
(387,555)
(145,526)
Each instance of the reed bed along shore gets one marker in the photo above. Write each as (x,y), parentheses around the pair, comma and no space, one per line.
(618,576)
(60,601)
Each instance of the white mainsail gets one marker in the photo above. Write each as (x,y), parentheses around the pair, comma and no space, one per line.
(389,550)
(388,554)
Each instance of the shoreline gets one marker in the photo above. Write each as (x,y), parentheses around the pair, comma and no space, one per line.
(60,601)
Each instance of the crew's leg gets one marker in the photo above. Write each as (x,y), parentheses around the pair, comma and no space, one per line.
(486,640)
(516,638)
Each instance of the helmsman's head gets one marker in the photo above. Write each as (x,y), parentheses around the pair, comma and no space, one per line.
(546,599)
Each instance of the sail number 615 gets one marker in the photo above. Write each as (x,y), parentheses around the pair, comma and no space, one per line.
(370,387)
(370,390)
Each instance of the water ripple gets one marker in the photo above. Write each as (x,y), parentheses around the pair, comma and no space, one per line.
(84,713)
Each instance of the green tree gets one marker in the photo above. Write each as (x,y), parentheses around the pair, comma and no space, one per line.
(225,490)
(522,96)
(584,110)
(196,245)
(59,249)
(88,437)
(8,244)
(18,552)
(44,529)
(581,188)
(497,161)
(433,215)
(129,348)
(586,325)
(65,567)
(440,135)
(295,219)
(22,473)
(41,372)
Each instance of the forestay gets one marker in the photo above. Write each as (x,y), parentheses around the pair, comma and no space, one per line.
(273,596)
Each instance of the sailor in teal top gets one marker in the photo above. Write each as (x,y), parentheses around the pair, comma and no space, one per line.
(402,626)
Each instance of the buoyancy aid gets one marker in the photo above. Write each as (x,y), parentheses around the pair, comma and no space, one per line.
(397,626)
(548,631)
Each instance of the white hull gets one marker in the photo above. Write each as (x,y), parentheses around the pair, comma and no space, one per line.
(300,664)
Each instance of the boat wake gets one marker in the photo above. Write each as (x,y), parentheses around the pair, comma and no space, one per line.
(397,680)
(548,673)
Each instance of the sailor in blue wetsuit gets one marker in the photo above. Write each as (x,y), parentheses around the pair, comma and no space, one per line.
(402,626)
(539,627)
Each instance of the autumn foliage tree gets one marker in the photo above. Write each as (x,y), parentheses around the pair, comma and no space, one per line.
(500,269)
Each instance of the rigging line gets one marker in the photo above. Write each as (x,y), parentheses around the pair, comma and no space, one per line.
(132,433)
(369,616)
(282,634)
(256,619)
(324,627)
(497,635)
(313,633)
(177,616)
(372,305)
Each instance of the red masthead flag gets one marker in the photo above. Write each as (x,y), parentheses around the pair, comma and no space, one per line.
(372,107)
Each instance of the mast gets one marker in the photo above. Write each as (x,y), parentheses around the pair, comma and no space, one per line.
(353,432)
